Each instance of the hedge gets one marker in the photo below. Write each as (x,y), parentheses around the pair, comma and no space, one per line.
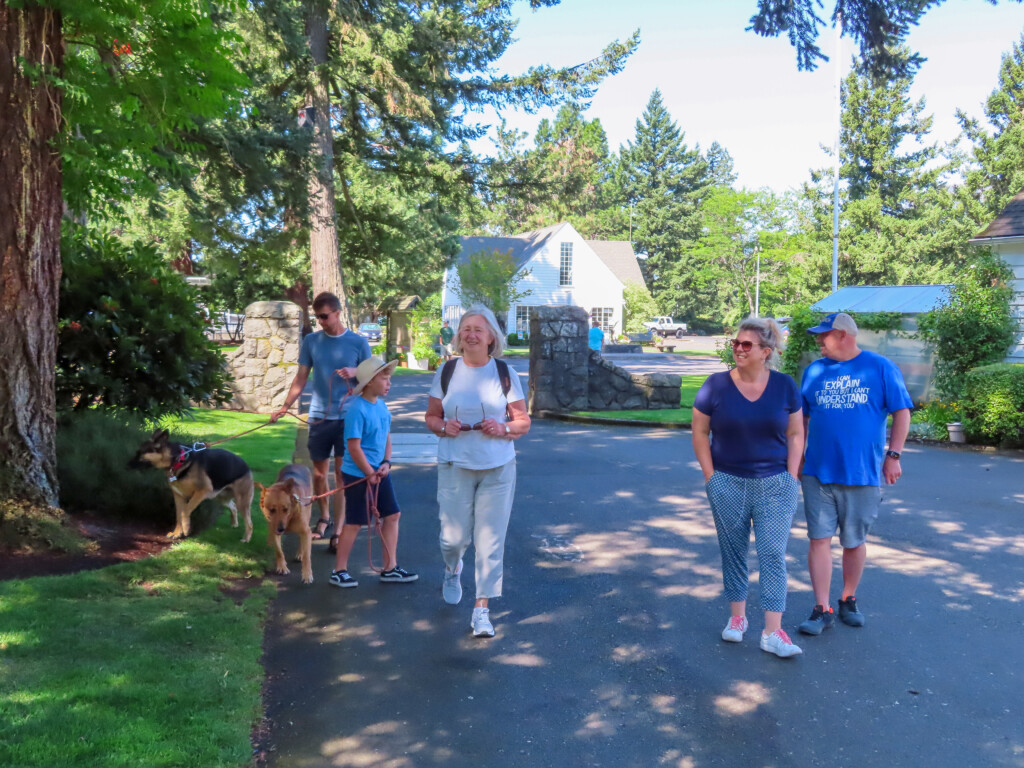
(993,405)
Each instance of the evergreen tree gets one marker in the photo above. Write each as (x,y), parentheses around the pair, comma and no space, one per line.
(995,172)
(565,176)
(664,182)
(895,223)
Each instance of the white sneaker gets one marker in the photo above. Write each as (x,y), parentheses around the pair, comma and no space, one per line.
(778,642)
(451,587)
(733,632)
(481,623)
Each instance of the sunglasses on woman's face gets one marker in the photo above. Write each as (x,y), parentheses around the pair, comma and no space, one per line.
(746,346)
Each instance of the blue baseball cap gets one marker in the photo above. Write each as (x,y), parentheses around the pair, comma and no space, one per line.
(837,321)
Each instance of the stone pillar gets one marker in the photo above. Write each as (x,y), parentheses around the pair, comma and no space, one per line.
(558,359)
(264,366)
(566,375)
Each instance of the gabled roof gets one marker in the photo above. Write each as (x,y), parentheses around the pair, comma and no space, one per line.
(907,299)
(1009,223)
(522,246)
(618,256)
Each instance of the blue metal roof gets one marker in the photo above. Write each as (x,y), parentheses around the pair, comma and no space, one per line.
(907,299)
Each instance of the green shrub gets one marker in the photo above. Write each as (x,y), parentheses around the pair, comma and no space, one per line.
(93,449)
(935,415)
(799,341)
(513,340)
(975,327)
(993,405)
(129,334)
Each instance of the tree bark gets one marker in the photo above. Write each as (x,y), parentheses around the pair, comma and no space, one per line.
(323,219)
(30,214)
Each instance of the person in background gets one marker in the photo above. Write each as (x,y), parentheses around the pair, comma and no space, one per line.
(477,415)
(595,340)
(848,395)
(748,437)
(332,354)
(444,338)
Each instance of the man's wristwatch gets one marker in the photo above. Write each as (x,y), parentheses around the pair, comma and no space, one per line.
(508,430)
(892,454)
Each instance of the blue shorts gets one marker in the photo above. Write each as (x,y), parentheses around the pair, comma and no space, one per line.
(355,499)
(851,509)
(325,436)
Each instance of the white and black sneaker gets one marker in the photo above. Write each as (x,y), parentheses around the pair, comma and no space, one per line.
(343,579)
(481,623)
(398,575)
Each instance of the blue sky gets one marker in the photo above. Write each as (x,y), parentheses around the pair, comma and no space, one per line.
(723,84)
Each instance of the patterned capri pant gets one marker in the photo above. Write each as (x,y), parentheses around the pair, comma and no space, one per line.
(767,503)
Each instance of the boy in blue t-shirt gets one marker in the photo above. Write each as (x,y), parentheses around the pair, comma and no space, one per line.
(368,455)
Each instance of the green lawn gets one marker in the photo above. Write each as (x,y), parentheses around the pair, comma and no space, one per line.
(150,663)
(682,415)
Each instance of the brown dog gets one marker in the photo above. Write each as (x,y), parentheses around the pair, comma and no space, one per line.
(196,475)
(283,506)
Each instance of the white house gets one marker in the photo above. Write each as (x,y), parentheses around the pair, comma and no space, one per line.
(1005,236)
(561,268)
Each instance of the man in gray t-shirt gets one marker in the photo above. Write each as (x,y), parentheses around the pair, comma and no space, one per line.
(331,354)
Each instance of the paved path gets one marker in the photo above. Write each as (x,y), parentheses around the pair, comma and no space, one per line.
(608,649)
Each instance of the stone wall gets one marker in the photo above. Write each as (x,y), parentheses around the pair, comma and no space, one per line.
(565,375)
(264,366)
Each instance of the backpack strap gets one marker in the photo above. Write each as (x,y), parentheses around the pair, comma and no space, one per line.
(503,375)
(447,370)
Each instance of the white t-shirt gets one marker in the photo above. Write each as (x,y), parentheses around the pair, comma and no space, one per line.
(474,394)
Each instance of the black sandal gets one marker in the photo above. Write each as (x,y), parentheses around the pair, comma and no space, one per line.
(332,545)
(327,523)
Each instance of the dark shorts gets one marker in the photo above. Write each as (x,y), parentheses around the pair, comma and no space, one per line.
(355,499)
(326,436)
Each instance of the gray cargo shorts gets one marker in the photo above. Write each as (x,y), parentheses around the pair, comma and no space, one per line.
(850,509)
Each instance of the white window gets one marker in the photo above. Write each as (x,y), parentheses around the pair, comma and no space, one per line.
(603,315)
(523,315)
(565,265)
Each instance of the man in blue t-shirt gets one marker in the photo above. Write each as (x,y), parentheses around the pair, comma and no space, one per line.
(332,354)
(596,337)
(847,396)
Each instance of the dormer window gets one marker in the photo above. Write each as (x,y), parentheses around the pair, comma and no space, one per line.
(565,264)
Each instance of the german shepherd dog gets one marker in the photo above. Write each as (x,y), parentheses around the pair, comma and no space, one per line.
(282,506)
(195,476)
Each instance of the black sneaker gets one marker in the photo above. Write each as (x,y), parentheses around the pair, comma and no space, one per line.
(848,613)
(343,580)
(820,621)
(398,576)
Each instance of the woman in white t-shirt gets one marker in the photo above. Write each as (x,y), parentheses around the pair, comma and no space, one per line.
(476,461)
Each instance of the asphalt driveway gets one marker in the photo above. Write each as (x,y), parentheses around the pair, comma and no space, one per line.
(608,652)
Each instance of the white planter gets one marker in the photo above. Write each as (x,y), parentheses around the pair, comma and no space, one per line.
(417,364)
(956,432)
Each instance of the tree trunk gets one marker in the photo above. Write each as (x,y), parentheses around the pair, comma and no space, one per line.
(323,220)
(30,213)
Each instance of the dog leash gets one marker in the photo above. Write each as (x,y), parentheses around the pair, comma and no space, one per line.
(202,446)
(373,519)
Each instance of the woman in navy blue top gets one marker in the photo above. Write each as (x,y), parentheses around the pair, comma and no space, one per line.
(748,435)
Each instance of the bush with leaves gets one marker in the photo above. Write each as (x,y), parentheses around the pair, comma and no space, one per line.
(993,405)
(800,342)
(129,334)
(639,307)
(975,328)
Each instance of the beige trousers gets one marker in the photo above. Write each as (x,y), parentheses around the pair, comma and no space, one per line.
(475,505)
